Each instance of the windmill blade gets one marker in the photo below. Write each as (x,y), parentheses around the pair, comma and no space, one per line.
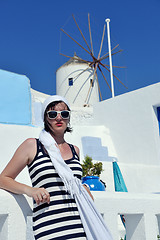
(81,72)
(89,89)
(104,57)
(90,66)
(75,41)
(91,85)
(88,92)
(117,52)
(120,81)
(108,52)
(95,70)
(115,66)
(101,42)
(81,33)
(104,78)
(115,47)
(99,90)
(114,75)
(90,35)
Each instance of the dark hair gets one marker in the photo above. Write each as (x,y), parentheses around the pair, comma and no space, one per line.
(46,123)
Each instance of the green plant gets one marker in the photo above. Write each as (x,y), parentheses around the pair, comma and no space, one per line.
(90,169)
(158,236)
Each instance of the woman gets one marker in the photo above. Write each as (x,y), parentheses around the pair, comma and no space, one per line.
(55,214)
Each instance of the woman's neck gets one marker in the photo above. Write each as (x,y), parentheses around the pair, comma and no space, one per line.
(59,139)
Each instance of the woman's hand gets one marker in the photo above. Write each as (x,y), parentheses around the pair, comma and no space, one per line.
(40,195)
(88,190)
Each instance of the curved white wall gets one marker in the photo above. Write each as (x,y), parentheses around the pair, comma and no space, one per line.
(77,94)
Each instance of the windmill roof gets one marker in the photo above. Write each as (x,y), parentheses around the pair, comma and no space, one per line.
(74,60)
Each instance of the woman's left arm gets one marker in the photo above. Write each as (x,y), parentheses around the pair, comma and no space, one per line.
(88,190)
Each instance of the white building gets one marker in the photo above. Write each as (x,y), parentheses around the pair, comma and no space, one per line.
(75,80)
(125,128)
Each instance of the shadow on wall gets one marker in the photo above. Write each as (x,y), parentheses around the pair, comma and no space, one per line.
(38,121)
(23,204)
(92,146)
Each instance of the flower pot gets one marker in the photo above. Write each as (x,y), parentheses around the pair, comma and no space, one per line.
(94,183)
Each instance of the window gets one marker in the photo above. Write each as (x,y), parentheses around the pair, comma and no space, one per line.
(70,81)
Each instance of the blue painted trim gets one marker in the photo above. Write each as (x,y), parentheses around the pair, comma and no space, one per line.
(158,117)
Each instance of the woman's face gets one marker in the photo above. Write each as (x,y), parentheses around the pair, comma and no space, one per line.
(58,124)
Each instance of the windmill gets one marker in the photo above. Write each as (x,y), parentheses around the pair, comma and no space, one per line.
(88,86)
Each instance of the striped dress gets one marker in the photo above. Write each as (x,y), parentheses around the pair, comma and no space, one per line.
(60,219)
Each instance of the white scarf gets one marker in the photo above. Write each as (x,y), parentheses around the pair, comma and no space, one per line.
(92,220)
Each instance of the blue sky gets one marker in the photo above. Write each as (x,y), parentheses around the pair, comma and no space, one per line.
(31,39)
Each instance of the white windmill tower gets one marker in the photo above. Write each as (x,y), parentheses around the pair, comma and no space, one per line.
(76,81)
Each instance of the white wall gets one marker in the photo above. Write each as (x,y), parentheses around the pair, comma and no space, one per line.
(141,178)
(132,121)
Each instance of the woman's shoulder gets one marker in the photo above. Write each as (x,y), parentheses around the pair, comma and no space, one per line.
(76,149)
(30,142)
(30,148)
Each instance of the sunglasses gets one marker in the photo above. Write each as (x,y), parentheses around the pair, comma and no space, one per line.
(53,114)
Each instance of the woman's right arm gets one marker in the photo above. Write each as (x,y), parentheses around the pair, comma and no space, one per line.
(23,155)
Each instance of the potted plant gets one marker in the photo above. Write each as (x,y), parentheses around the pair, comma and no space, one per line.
(91,173)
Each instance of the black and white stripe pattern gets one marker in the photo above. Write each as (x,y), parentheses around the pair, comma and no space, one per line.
(60,219)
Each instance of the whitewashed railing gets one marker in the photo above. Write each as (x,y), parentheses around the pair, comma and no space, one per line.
(141,212)
(15,216)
